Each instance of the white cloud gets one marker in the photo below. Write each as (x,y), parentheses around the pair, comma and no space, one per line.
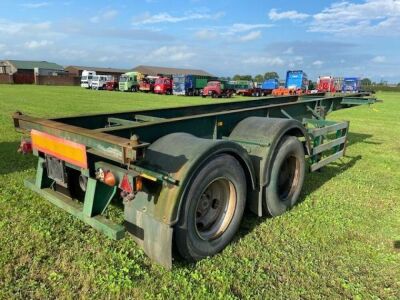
(251,36)
(206,34)
(371,17)
(379,59)
(12,28)
(289,50)
(38,44)
(105,16)
(243,27)
(293,15)
(165,17)
(35,5)
(264,61)
(171,53)
(318,63)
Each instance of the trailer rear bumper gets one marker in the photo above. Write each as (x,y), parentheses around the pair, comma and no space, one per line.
(75,208)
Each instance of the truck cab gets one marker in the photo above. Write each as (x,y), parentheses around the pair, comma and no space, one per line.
(218,89)
(86,79)
(129,82)
(163,85)
(326,84)
(99,81)
(147,83)
(351,85)
(179,86)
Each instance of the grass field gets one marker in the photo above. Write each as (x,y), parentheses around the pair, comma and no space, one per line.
(341,241)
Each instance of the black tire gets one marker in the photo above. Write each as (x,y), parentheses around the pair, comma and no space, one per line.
(287,177)
(194,238)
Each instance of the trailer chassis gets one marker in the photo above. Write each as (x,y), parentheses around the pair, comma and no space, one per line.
(155,155)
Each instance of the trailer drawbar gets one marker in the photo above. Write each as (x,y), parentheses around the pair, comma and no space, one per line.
(184,175)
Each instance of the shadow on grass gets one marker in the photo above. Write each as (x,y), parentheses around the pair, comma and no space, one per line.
(11,161)
(396,244)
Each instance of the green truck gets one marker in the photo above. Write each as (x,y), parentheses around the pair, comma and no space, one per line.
(129,82)
(183,176)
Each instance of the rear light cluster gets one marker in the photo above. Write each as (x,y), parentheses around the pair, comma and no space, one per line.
(128,189)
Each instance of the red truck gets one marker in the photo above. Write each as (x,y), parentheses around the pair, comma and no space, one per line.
(147,84)
(163,85)
(112,85)
(218,89)
(326,84)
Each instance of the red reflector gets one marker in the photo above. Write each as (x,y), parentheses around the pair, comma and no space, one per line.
(126,185)
(25,147)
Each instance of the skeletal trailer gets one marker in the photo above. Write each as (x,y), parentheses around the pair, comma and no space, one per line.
(185,175)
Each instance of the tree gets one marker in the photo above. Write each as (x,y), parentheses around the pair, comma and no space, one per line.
(366,82)
(398,84)
(311,85)
(259,78)
(242,77)
(271,75)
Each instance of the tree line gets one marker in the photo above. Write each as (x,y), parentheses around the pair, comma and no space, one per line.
(257,78)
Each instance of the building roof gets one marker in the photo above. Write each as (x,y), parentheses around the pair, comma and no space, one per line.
(96,69)
(30,65)
(151,70)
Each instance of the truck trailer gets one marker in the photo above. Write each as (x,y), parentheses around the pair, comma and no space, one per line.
(183,176)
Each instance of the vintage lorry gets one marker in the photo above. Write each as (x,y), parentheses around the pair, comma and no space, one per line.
(99,82)
(184,176)
(219,89)
(147,83)
(190,85)
(129,82)
(163,85)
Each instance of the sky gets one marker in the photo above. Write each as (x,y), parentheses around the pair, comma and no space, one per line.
(339,38)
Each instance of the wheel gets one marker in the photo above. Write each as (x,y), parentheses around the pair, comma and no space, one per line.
(287,177)
(212,209)
(214,95)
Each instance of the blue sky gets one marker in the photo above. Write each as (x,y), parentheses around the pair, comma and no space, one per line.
(352,38)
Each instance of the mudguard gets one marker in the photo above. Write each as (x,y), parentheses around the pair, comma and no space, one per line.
(150,216)
(260,137)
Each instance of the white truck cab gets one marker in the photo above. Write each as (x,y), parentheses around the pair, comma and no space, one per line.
(99,81)
(86,79)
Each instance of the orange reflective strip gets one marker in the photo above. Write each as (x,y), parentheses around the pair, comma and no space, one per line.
(63,149)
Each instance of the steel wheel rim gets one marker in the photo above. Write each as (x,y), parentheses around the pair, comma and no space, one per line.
(215,209)
(288,178)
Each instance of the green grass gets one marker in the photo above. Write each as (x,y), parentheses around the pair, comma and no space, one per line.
(341,241)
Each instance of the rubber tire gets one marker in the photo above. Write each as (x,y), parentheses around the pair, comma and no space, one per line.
(273,205)
(187,241)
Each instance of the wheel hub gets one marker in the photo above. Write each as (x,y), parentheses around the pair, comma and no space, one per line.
(215,209)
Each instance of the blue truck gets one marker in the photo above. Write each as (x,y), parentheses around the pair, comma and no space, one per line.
(351,85)
(270,84)
(296,80)
(190,85)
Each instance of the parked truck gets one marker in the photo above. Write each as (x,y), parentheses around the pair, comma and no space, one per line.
(326,84)
(190,85)
(163,85)
(351,85)
(219,89)
(184,176)
(296,84)
(112,85)
(86,79)
(129,82)
(99,82)
(269,85)
(147,83)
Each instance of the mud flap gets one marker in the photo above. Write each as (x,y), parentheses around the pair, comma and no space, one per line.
(154,237)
